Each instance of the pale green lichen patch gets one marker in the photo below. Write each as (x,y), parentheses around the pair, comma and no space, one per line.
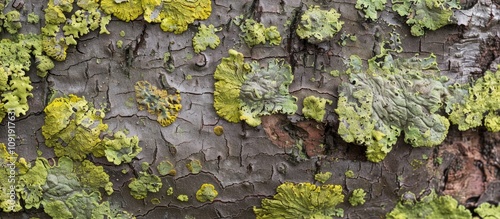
(246,91)
(158,102)
(12,21)
(303,200)
(139,187)
(488,211)
(255,33)
(393,95)
(317,25)
(206,193)
(322,177)
(314,107)
(357,197)
(194,166)
(205,37)
(430,206)
(349,174)
(370,7)
(166,168)
(425,13)
(480,105)
(120,148)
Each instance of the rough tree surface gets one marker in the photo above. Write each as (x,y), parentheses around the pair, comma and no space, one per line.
(246,164)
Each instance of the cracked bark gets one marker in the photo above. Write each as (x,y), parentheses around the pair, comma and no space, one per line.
(244,164)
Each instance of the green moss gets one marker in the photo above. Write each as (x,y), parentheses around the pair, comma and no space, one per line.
(303,200)
(314,107)
(183,198)
(357,197)
(206,37)
(370,7)
(194,166)
(479,105)
(206,193)
(245,91)
(139,187)
(166,168)
(488,211)
(430,206)
(427,14)
(255,33)
(176,15)
(166,107)
(317,25)
(322,177)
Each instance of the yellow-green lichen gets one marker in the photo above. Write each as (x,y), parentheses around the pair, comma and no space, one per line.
(370,7)
(120,148)
(158,102)
(322,177)
(139,187)
(218,130)
(194,166)
(205,37)
(357,197)
(170,191)
(206,193)
(480,105)
(255,33)
(183,198)
(391,96)
(166,168)
(246,91)
(430,206)
(317,25)
(314,107)
(175,15)
(349,174)
(423,14)
(303,200)
(488,211)
(125,10)
(72,127)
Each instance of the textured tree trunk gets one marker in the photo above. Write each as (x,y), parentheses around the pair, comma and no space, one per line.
(247,164)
